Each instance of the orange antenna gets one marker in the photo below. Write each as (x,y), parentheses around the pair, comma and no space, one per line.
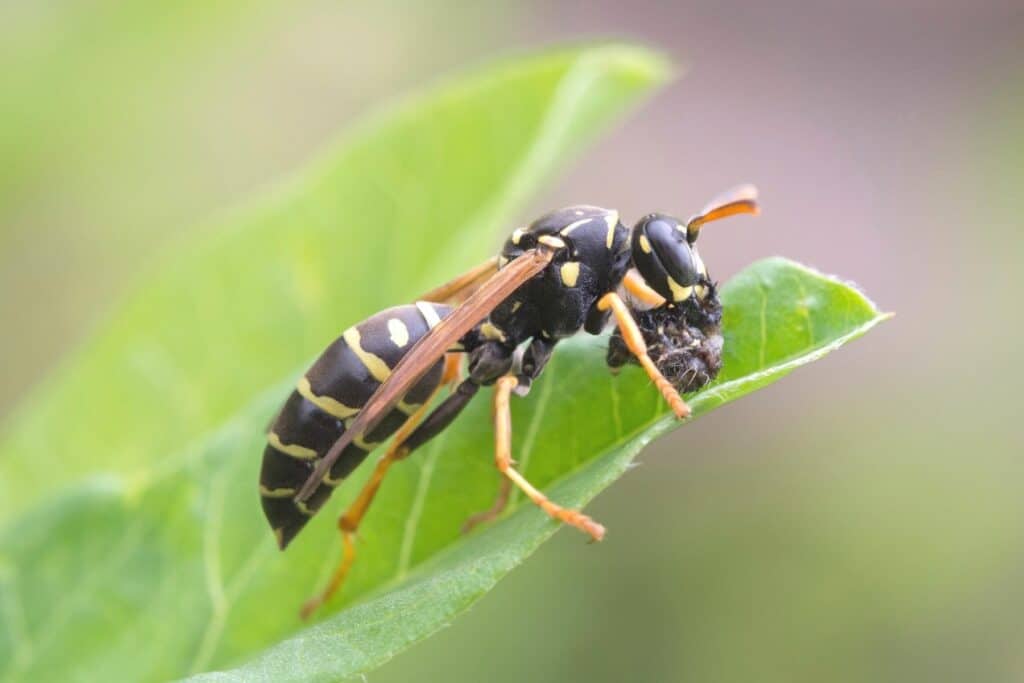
(741,199)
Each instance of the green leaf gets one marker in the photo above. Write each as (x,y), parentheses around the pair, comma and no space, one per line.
(185,565)
(254,295)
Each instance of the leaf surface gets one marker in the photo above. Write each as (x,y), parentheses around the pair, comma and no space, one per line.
(128,579)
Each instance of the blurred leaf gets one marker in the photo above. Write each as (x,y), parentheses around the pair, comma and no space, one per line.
(107,62)
(185,564)
(268,287)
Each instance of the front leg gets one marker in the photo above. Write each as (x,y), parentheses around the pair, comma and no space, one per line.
(634,339)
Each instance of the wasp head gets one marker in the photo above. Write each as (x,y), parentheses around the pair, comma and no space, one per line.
(682,332)
(666,258)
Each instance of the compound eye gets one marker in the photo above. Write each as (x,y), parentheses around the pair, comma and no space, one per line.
(664,258)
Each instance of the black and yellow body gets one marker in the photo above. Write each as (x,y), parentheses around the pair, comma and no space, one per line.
(328,396)
(563,299)
(572,270)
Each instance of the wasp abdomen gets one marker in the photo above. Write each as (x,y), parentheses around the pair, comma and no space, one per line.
(326,398)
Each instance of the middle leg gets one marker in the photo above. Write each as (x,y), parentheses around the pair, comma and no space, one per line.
(503,459)
(537,355)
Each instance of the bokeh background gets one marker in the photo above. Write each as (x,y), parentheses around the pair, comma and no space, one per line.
(861,520)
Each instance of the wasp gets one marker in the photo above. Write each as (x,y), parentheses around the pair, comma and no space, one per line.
(575,269)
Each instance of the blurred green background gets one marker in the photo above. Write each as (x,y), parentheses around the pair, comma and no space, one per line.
(861,520)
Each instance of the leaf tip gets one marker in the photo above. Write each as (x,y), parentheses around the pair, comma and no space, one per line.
(637,63)
(785,263)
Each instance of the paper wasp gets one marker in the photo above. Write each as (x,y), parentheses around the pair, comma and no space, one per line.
(573,269)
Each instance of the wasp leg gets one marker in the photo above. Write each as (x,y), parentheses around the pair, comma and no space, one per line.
(458,289)
(452,371)
(503,459)
(348,523)
(537,355)
(493,512)
(635,285)
(635,341)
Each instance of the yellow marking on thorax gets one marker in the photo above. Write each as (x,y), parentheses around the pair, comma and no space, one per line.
(398,331)
(492,331)
(379,370)
(516,305)
(645,244)
(612,219)
(276,493)
(552,241)
(292,449)
(517,235)
(572,226)
(570,273)
(329,405)
(679,293)
(429,314)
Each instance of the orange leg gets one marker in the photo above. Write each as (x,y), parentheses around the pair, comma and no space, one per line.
(503,459)
(635,341)
(500,503)
(635,285)
(452,370)
(348,523)
(454,291)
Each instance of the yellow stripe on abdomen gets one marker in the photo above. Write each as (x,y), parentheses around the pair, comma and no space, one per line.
(379,370)
(294,450)
(331,406)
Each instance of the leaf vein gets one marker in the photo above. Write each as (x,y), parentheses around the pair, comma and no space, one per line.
(416,509)
(532,429)
(212,574)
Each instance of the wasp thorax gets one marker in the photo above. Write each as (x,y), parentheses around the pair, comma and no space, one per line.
(664,257)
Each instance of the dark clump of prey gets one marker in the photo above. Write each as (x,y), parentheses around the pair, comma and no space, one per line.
(684,341)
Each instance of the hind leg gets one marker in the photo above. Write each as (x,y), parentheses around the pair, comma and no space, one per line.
(348,523)
(455,291)
(409,436)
